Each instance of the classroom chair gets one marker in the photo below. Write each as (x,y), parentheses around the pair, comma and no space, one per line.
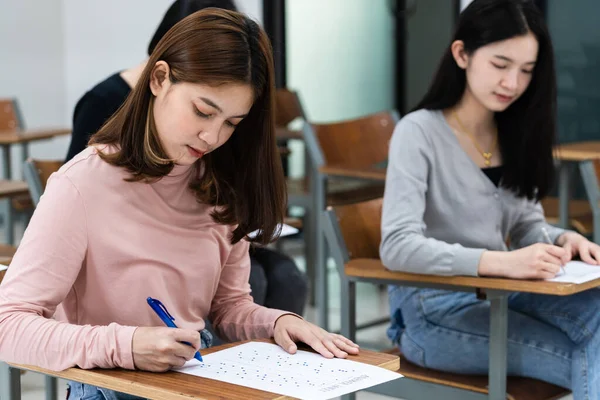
(353,232)
(288,109)
(37,173)
(356,143)
(13,132)
(584,215)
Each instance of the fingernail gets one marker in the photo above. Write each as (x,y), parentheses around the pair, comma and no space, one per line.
(291,348)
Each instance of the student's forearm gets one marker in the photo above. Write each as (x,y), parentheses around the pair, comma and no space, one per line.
(32,339)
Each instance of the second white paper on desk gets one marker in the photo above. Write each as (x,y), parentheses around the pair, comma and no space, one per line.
(304,375)
(578,272)
(286,230)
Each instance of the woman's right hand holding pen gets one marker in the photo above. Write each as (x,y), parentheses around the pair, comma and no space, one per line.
(159,349)
(538,261)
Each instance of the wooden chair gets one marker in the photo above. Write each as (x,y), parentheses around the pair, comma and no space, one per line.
(358,143)
(584,215)
(287,109)
(581,217)
(37,173)
(13,131)
(353,232)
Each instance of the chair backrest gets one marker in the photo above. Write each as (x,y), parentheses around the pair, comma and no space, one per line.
(361,142)
(37,173)
(10,117)
(287,107)
(355,229)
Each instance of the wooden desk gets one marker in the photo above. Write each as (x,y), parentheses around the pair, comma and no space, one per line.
(369,268)
(8,190)
(12,188)
(19,136)
(23,138)
(178,386)
(377,174)
(578,151)
(582,155)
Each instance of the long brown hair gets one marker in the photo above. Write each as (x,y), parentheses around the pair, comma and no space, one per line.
(243,178)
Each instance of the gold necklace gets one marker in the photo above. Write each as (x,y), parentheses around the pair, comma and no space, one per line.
(487,155)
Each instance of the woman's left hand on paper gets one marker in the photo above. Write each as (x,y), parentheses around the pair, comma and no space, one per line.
(290,329)
(576,244)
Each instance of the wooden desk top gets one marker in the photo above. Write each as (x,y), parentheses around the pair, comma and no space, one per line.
(578,151)
(18,136)
(12,188)
(178,386)
(373,269)
(377,174)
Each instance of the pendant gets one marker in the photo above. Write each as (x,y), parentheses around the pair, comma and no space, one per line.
(488,158)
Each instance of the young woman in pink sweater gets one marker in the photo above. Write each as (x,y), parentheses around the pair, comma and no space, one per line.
(160,205)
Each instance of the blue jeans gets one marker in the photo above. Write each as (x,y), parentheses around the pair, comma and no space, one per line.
(551,338)
(80,391)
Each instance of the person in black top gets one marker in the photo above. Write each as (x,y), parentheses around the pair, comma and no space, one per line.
(275,280)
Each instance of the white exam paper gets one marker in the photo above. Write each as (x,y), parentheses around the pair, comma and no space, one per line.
(304,375)
(286,230)
(3,267)
(577,272)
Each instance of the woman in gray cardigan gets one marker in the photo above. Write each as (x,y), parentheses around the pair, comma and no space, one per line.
(467,170)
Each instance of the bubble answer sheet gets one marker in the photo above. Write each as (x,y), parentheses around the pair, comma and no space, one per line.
(303,375)
(577,272)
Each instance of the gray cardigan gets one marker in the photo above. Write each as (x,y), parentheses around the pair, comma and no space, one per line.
(440,211)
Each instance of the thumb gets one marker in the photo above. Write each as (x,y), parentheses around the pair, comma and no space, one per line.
(284,340)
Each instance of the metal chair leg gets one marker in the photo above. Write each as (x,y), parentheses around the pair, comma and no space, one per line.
(348,309)
(51,388)
(498,345)
(10,382)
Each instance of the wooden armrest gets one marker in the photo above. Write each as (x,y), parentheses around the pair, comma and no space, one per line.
(353,172)
(370,268)
(21,136)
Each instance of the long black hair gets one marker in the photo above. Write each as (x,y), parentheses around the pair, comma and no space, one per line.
(527,129)
(181,9)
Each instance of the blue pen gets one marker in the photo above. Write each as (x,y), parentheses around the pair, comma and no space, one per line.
(160,310)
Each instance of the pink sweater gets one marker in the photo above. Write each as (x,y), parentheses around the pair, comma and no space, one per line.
(97,247)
